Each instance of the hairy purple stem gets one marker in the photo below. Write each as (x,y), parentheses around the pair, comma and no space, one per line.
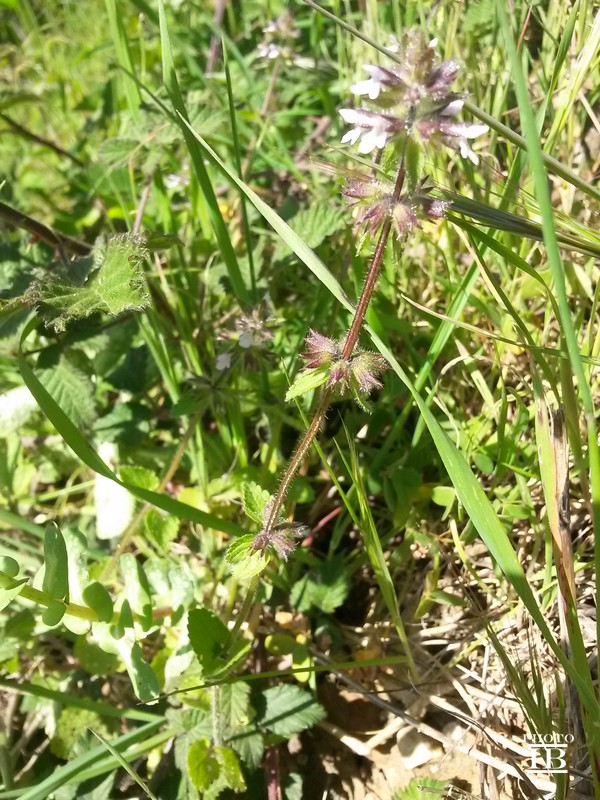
(349,345)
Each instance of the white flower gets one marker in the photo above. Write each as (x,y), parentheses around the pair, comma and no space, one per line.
(375,129)
(470,132)
(370,87)
(223,361)
(269,51)
(452,108)
(467,152)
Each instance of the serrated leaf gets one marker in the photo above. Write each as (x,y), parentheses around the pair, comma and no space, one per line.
(202,765)
(313,225)
(250,747)
(234,704)
(207,636)
(136,588)
(255,500)
(244,561)
(214,769)
(56,564)
(325,589)
(139,476)
(98,599)
(289,710)
(306,381)
(114,284)
(231,772)
(63,377)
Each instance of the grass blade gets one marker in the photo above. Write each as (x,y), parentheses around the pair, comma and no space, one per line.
(221,232)
(76,441)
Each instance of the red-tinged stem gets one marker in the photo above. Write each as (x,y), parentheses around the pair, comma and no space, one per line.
(349,345)
(297,460)
(372,274)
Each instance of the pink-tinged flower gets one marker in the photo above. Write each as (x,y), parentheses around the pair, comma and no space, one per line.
(373,202)
(374,128)
(357,373)
(370,200)
(268,50)
(340,376)
(282,537)
(366,367)
(320,350)
(279,39)
(253,329)
(413,95)
(452,134)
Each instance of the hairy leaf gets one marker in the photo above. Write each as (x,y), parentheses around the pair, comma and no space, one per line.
(307,380)
(255,500)
(114,283)
(66,378)
(243,560)
(289,710)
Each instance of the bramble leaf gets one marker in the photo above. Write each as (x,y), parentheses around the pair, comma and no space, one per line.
(289,710)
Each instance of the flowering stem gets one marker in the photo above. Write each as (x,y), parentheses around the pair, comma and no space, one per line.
(297,459)
(349,344)
(373,273)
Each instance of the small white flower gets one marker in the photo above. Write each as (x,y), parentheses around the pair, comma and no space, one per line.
(474,130)
(433,44)
(372,140)
(223,361)
(269,51)
(370,87)
(467,152)
(470,132)
(452,108)
(375,129)
(351,136)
